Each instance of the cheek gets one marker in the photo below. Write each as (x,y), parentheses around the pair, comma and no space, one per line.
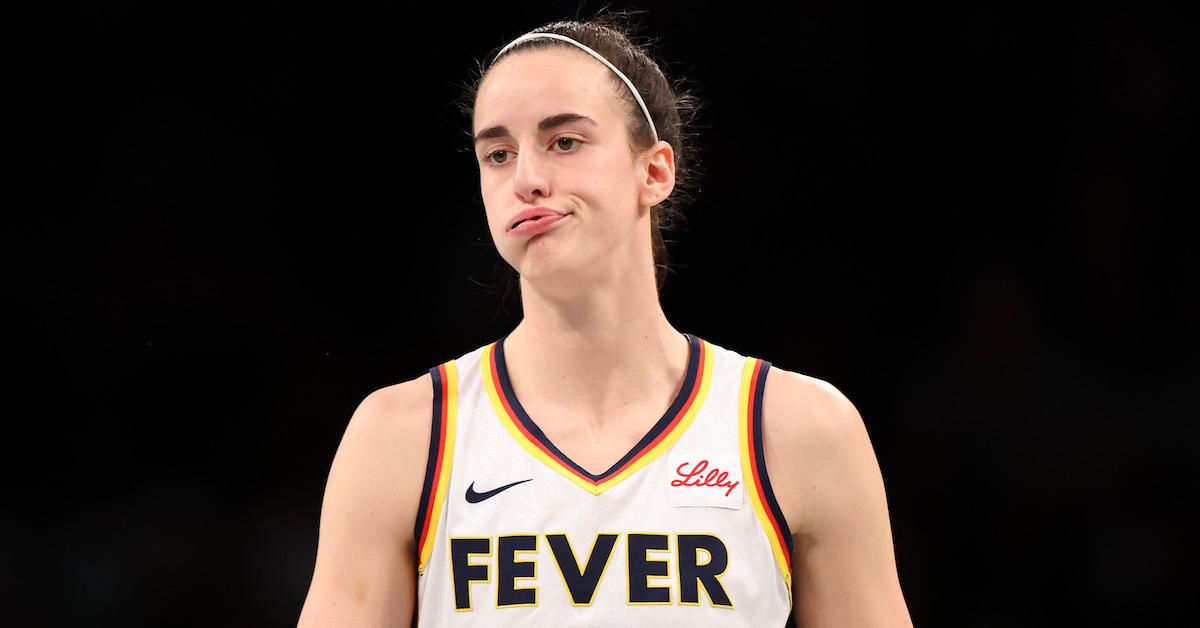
(495,226)
(615,191)
(489,197)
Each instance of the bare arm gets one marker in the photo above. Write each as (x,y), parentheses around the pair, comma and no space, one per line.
(830,488)
(365,573)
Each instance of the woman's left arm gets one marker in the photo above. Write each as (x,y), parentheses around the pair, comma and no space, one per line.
(830,488)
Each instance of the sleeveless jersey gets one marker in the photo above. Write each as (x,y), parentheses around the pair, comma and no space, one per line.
(683,530)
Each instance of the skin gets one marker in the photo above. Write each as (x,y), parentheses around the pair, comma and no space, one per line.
(596,359)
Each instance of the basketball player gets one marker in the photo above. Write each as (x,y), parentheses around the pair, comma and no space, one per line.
(597,466)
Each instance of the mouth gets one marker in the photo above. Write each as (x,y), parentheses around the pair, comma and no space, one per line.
(535,214)
(534,219)
(534,225)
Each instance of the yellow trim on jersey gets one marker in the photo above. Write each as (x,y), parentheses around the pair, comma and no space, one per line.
(446,456)
(749,476)
(643,459)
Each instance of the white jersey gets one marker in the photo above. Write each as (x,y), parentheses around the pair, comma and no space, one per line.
(683,530)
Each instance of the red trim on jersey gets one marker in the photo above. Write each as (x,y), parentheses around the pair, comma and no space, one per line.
(441,450)
(695,384)
(756,462)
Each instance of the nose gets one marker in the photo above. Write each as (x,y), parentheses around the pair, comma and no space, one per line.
(532,177)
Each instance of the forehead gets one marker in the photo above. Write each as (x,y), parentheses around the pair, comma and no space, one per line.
(524,87)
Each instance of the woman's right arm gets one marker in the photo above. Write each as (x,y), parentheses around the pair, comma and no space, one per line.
(366,568)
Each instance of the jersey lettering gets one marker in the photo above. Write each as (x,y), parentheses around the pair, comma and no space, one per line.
(693,574)
(509,570)
(464,571)
(642,568)
(647,569)
(581,583)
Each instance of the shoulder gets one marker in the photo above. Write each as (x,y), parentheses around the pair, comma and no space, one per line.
(812,433)
(805,411)
(379,465)
(396,411)
(395,416)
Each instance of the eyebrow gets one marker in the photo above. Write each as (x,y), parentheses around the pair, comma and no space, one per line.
(546,123)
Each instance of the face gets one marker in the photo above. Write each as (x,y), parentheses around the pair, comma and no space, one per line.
(531,155)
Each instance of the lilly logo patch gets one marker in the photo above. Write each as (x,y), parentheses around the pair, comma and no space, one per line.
(704,480)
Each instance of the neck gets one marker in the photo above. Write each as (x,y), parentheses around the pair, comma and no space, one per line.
(597,352)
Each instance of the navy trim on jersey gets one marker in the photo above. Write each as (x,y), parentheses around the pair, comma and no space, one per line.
(434,452)
(760,459)
(690,381)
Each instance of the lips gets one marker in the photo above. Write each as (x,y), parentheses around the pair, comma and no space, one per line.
(534,213)
(534,226)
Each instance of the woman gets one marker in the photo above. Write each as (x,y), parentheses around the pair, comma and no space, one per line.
(551,486)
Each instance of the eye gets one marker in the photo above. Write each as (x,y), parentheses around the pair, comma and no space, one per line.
(560,140)
(499,151)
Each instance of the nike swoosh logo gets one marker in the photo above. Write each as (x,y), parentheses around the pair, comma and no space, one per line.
(475,498)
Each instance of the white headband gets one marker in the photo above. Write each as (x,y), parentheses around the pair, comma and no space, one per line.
(612,67)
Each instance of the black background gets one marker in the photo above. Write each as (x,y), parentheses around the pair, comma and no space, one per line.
(968,218)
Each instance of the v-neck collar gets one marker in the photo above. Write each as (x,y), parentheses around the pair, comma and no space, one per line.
(661,436)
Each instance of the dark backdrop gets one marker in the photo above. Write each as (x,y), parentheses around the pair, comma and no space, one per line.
(963,216)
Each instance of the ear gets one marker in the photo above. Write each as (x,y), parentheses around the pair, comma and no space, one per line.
(657,165)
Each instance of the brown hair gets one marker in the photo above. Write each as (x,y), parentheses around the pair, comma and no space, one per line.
(672,107)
